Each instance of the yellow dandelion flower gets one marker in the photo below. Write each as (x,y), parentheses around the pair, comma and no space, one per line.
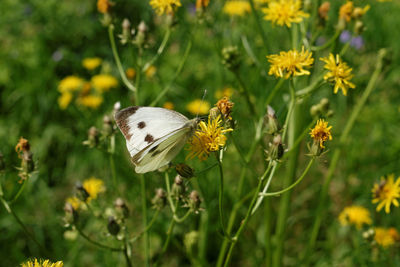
(386,193)
(165,6)
(150,72)
(339,73)
(90,101)
(91,63)
(386,237)
(291,63)
(284,12)
(70,83)
(198,107)
(227,91)
(236,8)
(208,138)
(75,202)
(200,4)
(41,263)
(168,105)
(130,73)
(358,12)
(104,82)
(103,6)
(93,187)
(321,132)
(356,215)
(346,11)
(64,100)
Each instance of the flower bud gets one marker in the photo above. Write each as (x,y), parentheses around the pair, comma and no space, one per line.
(112,226)
(178,188)
(141,35)
(107,125)
(126,31)
(359,27)
(369,234)
(160,199)
(184,170)
(190,241)
(93,137)
(121,207)
(27,163)
(323,10)
(117,107)
(271,122)
(231,57)
(214,113)
(82,193)
(71,215)
(194,201)
(275,151)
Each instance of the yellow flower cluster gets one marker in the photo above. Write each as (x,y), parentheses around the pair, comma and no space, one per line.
(87,94)
(284,12)
(291,63)
(386,237)
(386,193)
(339,73)
(165,6)
(42,263)
(237,8)
(355,215)
(198,107)
(347,11)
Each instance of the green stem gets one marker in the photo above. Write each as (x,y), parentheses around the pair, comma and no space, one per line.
(177,73)
(22,187)
(251,54)
(245,92)
(117,59)
(259,26)
(221,193)
(274,91)
(292,185)
(95,242)
(146,243)
(312,87)
(126,255)
(328,43)
(113,172)
(169,234)
(147,227)
(184,217)
(322,207)
(160,50)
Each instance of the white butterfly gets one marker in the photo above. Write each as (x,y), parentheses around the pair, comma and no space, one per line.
(154,136)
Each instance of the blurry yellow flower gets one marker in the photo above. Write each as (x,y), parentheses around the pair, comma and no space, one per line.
(384,0)
(239,8)
(227,91)
(386,237)
(291,63)
(200,4)
(151,71)
(323,10)
(356,215)
(358,12)
(209,138)
(91,63)
(87,86)
(168,105)
(103,6)
(70,83)
(198,107)
(339,73)
(42,263)
(75,202)
(93,187)
(321,132)
(165,6)
(346,11)
(284,12)
(103,82)
(64,100)
(386,193)
(90,101)
(130,73)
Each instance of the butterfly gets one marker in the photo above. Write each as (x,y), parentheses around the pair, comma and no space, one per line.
(154,136)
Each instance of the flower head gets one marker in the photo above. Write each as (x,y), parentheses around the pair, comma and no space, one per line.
(93,187)
(321,132)
(225,107)
(198,107)
(356,215)
(104,82)
(41,263)
(227,91)
(386,237)
(236,8)
(386,193)
(291,63)
(64,99)
(103,6)
(346,11)
(91,63)
(150,71)
(208,138)
(90,101)
(168,105)
(284,12)
(130,73)
(200,4)
(165,6)
(70,83)
(22,146)
(75,202)
(339,73)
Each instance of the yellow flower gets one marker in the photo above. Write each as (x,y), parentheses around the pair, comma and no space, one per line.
(339,73)
(64,99)
(321,132)
(386,237)
(151,71)
(386,193)
(198,107)
(227,91)
(291,63)
(209,138)
(168,105)
(284,12)
(358,12)
(93,187)
(103,82)
(90,101)
(75,202)
(70,83)
(42,263)
(91,63)
(165,6)
(239,8)
(225,107)
(130,73)
(356,215)
(103,6)
(346,11)
(200,4)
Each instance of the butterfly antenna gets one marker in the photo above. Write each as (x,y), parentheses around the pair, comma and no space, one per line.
(202,101)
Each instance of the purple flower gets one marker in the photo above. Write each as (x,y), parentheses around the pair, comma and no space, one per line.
(357,42)
(345,36)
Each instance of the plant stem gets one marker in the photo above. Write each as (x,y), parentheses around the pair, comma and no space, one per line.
(274,91)
(259,26)
(160,50)
(118,61)
(146,243)
(328,43)
(95,242)
(21,188)
(113,172)
(245,92)
(221,194)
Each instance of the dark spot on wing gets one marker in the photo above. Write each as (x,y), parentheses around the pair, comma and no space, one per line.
(141,125)
(121,118)
(152,149)
(149,138)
